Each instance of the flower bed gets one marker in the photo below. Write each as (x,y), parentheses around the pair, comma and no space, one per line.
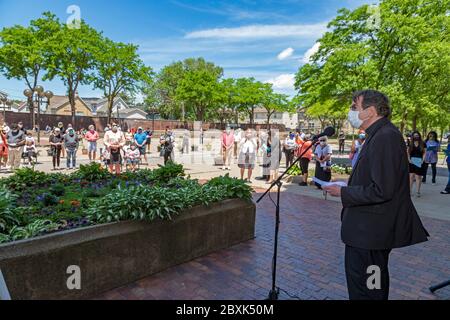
(35,203)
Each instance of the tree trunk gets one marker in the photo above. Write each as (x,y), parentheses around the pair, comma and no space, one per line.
(72,107)
(110,106)
(403,123)
(414,123)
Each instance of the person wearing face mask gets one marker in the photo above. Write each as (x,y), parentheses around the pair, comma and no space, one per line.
(378,214)
(289,148)
(114,141)
(247,155)
(416,156)
(227,148)
(447,160)
(56,145)
(71,144)
(356,147)
(167,146)
(63,132)
(431,156)
(323,153)
(92,137)
(304,145)
(30,150)
(16,140)
(3,148)
(140,138)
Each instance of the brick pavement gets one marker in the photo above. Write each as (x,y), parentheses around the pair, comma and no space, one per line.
(310,262)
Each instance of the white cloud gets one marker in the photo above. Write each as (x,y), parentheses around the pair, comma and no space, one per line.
(307,56)
(284,81)
(286,54)
(261,31)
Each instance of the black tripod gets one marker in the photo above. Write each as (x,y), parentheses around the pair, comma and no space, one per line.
(275,291)
(439,286)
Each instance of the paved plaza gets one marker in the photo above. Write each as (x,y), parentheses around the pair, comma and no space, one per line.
(310,264)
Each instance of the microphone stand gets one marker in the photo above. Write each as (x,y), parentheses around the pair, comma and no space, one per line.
(275,291)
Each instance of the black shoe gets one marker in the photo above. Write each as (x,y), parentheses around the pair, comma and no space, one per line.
(303,184)
(445,192)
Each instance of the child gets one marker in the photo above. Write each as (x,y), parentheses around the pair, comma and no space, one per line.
(132,155)
(30,148)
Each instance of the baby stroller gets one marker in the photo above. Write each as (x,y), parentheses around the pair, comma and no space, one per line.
(29,156)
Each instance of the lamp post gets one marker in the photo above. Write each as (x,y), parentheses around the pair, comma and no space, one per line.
(37,96)
(5,102)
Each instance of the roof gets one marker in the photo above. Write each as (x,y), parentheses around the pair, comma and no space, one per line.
(131,111)
(101,104)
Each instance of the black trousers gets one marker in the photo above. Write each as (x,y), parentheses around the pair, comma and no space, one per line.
(360,276)
(433,171)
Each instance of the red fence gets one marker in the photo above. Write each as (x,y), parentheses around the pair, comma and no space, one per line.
(100,122)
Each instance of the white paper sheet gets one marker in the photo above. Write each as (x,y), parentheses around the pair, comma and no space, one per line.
(326,184)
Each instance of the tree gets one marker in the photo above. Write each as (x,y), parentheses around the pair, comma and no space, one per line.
(119,70)
(70,56)
(250,94)
(22,50)
(276,102)
(186,88)
(406,56)
(198,90)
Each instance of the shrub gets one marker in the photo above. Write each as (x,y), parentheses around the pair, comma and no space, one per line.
(7,205)
(229,188)
(136,203)
(48,199)
(58,190)
(166,173)
(25,178)
(3,238)
(31,230)
(91,172)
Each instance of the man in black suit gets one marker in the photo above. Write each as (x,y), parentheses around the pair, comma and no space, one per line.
(378,214)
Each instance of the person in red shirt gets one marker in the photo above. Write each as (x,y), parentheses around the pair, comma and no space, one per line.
(306,158)
(227,148)
(3,148)
(92,136)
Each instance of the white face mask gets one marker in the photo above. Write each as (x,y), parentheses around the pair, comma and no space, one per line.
(353,118)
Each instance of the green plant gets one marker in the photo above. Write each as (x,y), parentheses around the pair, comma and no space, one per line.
(294,171)
(229,188)
(31,230)
(58,190)
(25,178)
(7,205)
(91,172)
(48,199)
(166,173)
(4,238)
(136,203)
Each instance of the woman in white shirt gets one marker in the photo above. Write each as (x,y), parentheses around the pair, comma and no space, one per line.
(247,155)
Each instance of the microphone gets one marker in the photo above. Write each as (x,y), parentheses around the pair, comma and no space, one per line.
(328,132)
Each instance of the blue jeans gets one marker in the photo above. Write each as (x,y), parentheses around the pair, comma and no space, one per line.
(71,155)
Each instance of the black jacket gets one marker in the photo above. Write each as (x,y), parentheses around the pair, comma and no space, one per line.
(378,212)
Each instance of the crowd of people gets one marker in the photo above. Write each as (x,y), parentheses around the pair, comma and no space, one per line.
(130,149)
(118,149)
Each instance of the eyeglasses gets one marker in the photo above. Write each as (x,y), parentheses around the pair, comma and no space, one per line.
(322,140)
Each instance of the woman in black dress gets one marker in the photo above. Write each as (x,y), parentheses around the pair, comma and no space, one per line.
(416,155)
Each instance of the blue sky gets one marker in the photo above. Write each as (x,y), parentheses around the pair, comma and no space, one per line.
(265,39)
